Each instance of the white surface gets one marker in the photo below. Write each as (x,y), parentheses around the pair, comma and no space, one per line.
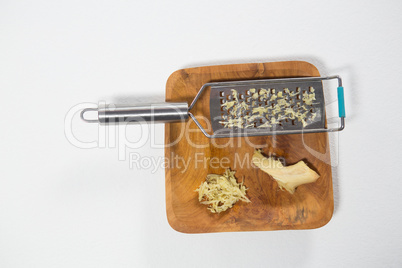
(62,206)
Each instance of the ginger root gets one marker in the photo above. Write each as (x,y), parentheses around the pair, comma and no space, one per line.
(288,177)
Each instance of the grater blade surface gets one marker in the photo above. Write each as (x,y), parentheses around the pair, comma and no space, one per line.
(270,121)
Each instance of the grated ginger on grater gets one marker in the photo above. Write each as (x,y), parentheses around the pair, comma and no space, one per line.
(242,115)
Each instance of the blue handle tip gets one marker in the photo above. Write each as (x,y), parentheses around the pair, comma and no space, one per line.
(341,102)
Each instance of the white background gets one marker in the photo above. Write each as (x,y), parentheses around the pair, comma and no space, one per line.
(63,206)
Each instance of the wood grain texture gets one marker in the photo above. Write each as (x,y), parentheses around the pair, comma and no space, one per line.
(311,206)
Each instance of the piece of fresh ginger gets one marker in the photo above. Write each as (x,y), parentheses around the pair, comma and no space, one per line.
(288,177)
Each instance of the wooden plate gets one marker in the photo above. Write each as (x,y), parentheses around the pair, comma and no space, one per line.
(191,156)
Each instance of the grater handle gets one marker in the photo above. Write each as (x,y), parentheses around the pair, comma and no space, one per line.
(155,113)
(341,102)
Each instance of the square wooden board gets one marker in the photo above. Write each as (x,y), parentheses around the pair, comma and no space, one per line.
(192,156)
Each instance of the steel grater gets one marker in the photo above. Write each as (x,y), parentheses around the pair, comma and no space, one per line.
(273,121)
